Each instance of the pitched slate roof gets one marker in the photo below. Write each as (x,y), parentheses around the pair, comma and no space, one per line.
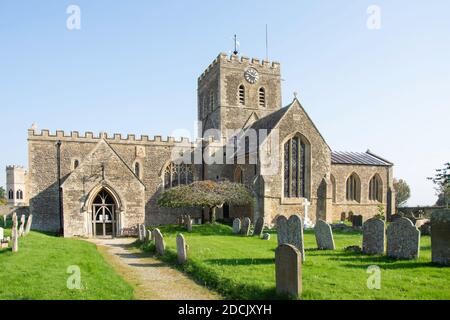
(358,158)
(270,121)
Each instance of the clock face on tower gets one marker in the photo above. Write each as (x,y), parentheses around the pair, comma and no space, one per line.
(251,75)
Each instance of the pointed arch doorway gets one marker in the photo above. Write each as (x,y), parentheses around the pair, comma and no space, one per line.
(104,218)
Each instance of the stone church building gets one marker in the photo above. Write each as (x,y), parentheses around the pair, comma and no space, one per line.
(97,185)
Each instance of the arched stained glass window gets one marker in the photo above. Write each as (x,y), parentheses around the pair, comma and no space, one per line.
(295,168)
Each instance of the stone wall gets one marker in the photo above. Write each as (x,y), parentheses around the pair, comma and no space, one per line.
(365,207)
(297,122)
(153,155)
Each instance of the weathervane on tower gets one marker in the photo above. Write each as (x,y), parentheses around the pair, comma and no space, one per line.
(236,45)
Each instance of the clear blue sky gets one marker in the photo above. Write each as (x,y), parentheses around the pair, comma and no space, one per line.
(133,67)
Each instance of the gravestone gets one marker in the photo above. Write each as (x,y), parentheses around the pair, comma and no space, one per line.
(188,223)
(148,236)
(357,220)
(2,233)
(22,225)
(28,226)
(15,234)
(159,242)
(324,236)
(181,249)
(440,237)
(266,236)
(245,230)
(290,231)
(373,236)
(343,216)
(288,270)
(141,232)
(259,227)
(403,239)
(236,226)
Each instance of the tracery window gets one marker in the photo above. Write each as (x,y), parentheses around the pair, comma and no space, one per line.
(178,174)
(19,195)
(295,168)
(353,186)
(375,189)
(11,195)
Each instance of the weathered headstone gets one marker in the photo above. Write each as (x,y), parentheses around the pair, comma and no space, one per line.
(159,242)
(236,226)
(357,220)
(188,223)
(403,239)
(373,236)
(288,270)
(22,225)
(343,216)
(28,226)
(282,230)
(245,230)
(259,227)
(148,236)
(291,231)
(266,236)
(152,235)
(15,234)
(181,249)
(141,232)
(440,237)
(324,236)
(2,233)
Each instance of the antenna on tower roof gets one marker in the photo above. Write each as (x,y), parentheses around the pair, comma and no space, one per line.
(267,43)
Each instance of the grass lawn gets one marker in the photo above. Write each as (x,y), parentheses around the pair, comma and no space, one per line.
(39,271)
(243,267)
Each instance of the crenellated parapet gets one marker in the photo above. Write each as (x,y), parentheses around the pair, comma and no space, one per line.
(75,136)
(15,167)
(235,60)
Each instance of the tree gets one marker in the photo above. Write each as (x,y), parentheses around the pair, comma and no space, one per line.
(402,192)
(206,194)
(442,183)
(3,200)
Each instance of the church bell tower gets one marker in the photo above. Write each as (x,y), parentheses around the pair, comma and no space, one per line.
(236,91)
